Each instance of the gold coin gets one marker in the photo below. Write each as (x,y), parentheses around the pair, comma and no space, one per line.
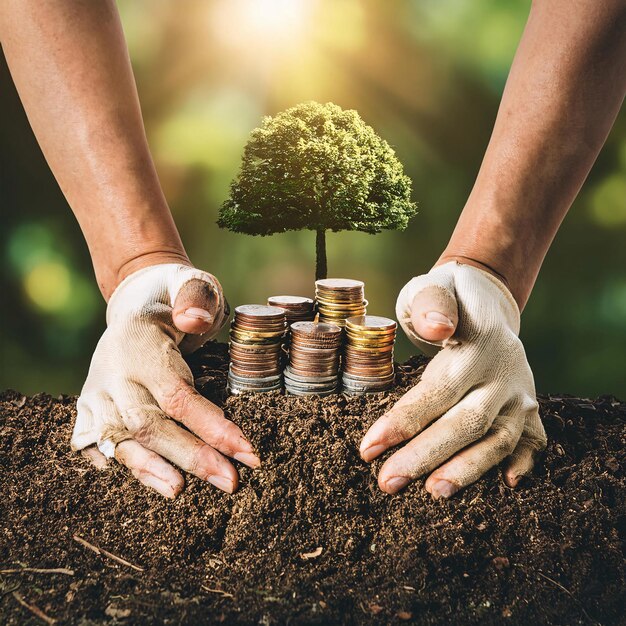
(369,371)
(364,343)
(371,323)
(368,350)
(267,332)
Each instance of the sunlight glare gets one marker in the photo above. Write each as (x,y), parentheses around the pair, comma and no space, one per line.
(260,25)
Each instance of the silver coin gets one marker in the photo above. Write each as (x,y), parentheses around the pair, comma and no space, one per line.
(330,392)
(236,391)
(260,310)
(309,388)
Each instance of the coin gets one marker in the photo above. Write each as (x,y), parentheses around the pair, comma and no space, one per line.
(256,348)
(368,355)
(297,308)
(314,356)
(339,284)
(339,298)
(312,330)
(371,323)
(259,311)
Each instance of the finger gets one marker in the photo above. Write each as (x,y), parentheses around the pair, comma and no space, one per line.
(96,458)
(463,424)
(436,392)
(207,420)
(97,421)
(531,443)
(471,463)
(197,307)
(427,309)
(149,468)
(154,430)
(434,313)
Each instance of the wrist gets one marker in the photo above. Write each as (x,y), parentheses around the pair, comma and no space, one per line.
(481,265)
(514,278)
(483,262)
(114,275)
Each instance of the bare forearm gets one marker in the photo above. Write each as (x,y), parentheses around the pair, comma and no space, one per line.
(70,64)
(565,88)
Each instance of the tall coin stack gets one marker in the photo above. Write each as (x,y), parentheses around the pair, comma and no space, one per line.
(368,355)
(339,298)
(297,308)
(256,337)
(314,355)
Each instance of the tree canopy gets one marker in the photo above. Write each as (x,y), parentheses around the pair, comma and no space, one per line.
(318,167)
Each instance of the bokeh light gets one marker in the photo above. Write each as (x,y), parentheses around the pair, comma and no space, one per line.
(608,203)
(48,286)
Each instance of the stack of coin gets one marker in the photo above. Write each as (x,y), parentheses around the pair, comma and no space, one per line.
(368,355)
(339,298)
(256,337)
(298,309)
(314,354)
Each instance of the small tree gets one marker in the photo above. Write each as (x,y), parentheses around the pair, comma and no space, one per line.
(318,167)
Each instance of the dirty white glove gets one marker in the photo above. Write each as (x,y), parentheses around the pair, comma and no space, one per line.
(138,380)
(475,404)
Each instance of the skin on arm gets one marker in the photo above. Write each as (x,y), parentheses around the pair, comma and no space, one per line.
(565,88)
(70,64)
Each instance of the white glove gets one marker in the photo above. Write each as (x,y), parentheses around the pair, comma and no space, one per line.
(138,380)
(475,404)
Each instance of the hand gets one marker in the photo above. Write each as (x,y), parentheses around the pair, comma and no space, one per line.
(138,380)
(475,404)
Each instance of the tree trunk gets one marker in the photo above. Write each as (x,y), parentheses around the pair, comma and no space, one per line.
(321,267)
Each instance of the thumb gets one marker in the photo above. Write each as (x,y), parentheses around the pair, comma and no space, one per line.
(197,307)
(434,313)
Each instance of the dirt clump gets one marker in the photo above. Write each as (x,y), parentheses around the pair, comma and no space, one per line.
(309,538)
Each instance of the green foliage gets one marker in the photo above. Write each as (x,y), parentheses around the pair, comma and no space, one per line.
(316,166)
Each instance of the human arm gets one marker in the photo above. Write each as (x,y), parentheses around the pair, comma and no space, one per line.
(69,61)
(565,88)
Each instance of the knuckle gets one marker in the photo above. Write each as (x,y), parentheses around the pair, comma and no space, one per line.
(220,438)
(176,400)
(538,441)
(143,425)
(475,423)
(504,442)
(145,434)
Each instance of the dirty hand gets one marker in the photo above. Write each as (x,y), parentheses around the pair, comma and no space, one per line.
(475,403)
(138,380)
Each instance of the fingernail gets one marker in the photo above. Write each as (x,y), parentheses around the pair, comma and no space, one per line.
(199,314)
(439,318)
(443,489)
(247,458)
(225,484)
(372,452)
(396,483)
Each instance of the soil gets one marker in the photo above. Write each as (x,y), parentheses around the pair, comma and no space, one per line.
(309,538)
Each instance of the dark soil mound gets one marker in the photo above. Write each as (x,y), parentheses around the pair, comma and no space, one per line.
(309,538)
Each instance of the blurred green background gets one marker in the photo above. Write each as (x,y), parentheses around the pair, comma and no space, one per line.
(427,75)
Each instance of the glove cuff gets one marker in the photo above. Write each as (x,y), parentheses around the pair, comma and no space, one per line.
(151,285)
(471,287)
